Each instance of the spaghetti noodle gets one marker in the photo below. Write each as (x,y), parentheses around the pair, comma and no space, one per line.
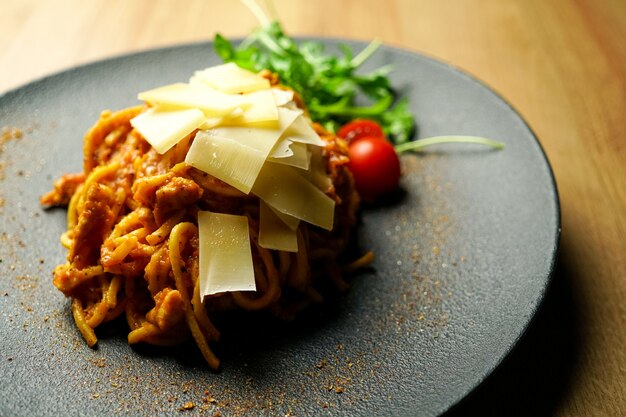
(133,240)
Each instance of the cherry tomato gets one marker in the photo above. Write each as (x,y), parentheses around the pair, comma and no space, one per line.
(360,128)
(374,165)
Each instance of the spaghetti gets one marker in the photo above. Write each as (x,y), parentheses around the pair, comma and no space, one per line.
(133,240)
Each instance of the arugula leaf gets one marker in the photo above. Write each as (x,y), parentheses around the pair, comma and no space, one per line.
(328,84)
(398,122)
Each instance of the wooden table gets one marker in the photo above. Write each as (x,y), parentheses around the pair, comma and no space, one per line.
(561,63)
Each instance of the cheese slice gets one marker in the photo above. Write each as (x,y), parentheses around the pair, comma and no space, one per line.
(214,121)
(236,155)
(226,159)
(231,79)
(301,131)
(210,101)
(263,139)
(282,188)
(290,221)
(261,112)
(300,156)
(282,149)
(164,127)
(273,233)
(211,122)
(316,174)
(282,97)
(225,260)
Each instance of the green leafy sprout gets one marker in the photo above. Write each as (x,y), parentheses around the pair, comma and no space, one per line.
(330,84)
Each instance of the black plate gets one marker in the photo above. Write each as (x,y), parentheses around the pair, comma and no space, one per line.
(463,258)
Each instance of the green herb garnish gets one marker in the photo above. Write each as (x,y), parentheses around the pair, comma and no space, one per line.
(328,84)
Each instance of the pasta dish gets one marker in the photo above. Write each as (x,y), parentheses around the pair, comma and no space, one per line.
(153,229)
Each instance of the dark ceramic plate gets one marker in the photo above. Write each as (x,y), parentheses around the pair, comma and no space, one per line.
(463,258)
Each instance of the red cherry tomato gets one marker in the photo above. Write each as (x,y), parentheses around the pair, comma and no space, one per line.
(360,128)
(374,165)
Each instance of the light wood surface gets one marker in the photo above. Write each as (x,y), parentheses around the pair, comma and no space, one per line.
(562,64)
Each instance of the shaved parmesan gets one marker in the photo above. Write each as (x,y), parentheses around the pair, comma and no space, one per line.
(316,173)
(273,233)
(210,101)
(282,97)
(282,149)
(226,159)
(285,190)
(300,156)
(301,131)
(225,261)
(231,79)
(236,155)
(261,112)
(262,139)
(211,122)
(290,221)
(163,127)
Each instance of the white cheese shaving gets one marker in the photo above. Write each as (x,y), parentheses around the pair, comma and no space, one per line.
(301,131)
(231,79)
(164,127)
(282,149)
(316,174)
(282,97)
(225,261)
(236,155)
(273,233)
(285,190)
(210,101)
(226,159)
(261,112)
(300,155)
(290,221)
(263,139)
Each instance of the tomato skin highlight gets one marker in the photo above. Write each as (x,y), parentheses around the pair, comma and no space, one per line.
(360,128)
(375,167)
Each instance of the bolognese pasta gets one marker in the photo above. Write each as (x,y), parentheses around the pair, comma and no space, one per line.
(216,194)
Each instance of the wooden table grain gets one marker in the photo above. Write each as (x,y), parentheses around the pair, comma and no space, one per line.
(561,63)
